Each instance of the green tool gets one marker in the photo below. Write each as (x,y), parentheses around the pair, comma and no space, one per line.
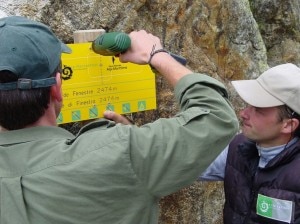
(114,43)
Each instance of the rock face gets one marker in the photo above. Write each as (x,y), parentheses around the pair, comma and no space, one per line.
(226,39)
(279,24)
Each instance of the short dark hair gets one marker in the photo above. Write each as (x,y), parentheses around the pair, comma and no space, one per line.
(20,108)
(287,112)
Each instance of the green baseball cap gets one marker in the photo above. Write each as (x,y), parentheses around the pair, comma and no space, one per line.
(31,51)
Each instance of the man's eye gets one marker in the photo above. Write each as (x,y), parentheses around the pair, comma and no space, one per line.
(258,110)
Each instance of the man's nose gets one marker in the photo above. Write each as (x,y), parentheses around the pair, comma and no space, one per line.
(244,113)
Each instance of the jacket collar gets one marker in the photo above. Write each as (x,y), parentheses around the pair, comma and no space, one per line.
(33,134)
(267,154)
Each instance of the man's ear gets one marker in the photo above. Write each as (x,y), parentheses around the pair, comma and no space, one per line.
(56,90)
(290,125)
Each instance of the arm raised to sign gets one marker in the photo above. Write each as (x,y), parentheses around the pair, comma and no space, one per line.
(147,49)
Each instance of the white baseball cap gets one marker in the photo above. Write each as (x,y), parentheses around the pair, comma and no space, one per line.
(277,86)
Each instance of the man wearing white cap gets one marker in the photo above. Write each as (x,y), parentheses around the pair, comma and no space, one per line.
(260,167)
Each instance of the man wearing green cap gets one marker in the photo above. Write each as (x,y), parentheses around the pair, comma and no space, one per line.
(109,173)
(260,167)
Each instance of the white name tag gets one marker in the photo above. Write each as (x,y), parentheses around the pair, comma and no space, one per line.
(273,208)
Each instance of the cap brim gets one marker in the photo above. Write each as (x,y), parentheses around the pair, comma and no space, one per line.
(253,94)
(65,48)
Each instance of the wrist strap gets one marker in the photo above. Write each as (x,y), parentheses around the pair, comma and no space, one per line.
(153,52)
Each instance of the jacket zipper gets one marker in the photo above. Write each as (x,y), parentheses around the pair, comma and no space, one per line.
(253,193)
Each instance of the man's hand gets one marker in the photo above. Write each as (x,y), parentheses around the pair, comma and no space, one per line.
(111,115)
(142,44)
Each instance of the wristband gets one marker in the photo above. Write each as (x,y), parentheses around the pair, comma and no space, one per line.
(153,52)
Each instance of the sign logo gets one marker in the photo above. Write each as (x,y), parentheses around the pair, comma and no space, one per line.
(264,207)
(67,72)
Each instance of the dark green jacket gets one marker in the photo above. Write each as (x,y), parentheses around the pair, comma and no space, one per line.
(111,173)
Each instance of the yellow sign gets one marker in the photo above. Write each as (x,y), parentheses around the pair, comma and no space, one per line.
(94,83)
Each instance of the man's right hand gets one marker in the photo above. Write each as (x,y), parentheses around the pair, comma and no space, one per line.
(143,44)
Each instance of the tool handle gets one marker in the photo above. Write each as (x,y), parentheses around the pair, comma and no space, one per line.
(110,44)
(114,43)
